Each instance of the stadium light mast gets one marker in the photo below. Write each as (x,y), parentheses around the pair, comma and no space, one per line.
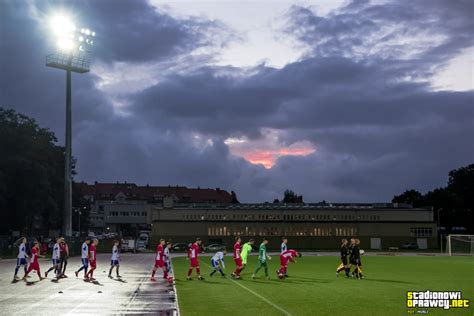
(72,48)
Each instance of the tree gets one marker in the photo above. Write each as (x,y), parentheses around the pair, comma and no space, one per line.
(291,197)
(31,175)
(461,185)
(412,197)
(454,203)
(234,198)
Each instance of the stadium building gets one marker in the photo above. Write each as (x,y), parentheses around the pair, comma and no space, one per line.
(126,207)
(307,226)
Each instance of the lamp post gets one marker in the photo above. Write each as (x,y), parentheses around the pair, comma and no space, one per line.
(79,213)
(73,46)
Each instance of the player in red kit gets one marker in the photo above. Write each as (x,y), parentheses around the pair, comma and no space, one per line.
(285,258)
(34,264)
(92,259)
(159,261)
(193,252)
(237,258)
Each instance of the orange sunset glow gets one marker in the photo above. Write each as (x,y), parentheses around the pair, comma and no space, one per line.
(267,158)
(266,150)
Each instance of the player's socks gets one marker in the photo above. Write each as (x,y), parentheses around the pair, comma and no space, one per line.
(198,270)
(190,270)
(212,273)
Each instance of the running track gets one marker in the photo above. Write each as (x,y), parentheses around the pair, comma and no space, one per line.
(135,294)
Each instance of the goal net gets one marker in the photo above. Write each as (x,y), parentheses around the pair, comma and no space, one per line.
(460,245)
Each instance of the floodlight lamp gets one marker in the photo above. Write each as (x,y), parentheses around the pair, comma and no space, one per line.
(62,25)
(65,44)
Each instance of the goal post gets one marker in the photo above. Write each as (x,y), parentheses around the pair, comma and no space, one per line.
(460,245)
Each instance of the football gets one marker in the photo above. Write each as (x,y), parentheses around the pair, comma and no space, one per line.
(280,276)
(361,252)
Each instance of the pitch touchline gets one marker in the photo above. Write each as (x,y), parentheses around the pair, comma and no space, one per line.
(258,295)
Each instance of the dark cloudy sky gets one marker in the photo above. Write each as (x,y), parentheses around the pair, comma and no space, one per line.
(337,100)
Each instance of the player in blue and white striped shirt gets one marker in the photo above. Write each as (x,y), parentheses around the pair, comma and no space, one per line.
(84,259)
(55,258)
(283,248)
(114,261)
(217,260)
(21,259)
(167,257)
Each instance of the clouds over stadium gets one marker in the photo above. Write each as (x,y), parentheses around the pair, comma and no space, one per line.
(359,115)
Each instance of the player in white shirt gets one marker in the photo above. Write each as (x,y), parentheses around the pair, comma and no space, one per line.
(167,257)
(283,248)
(84,258)
(21,258)
(55,258)
(114,261)
(217,260)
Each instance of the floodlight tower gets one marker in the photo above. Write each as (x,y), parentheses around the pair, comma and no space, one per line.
(72,50)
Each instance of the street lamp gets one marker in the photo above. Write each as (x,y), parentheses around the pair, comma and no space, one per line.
(72,49)
(79,213)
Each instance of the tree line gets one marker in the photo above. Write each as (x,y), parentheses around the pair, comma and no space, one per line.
(454,203)
(31,176)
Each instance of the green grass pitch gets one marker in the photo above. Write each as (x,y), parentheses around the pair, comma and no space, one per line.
(313,289)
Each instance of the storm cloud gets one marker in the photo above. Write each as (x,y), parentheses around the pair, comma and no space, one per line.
(360,95)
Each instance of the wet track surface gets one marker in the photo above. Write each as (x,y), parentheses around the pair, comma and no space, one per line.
(133,294)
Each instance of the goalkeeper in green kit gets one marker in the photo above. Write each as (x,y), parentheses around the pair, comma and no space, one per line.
(244,254)
(262,259)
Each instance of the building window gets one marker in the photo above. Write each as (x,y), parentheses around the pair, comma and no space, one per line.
(421,232)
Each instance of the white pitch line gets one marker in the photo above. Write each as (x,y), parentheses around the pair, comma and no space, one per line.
(175,290)
(285,312)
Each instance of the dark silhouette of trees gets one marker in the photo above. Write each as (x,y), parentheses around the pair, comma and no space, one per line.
(291,197)
(412,197)
(454,203)
(31,175)
(234,198)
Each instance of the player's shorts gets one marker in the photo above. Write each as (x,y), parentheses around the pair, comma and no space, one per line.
(33,266)
(159,264)
(114,262)
(55,261)
(238,261)
(194,262)
(344,260)
(21,262)
(85,262)
(283,261)
(214,264)
(168,266)
(93,264)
